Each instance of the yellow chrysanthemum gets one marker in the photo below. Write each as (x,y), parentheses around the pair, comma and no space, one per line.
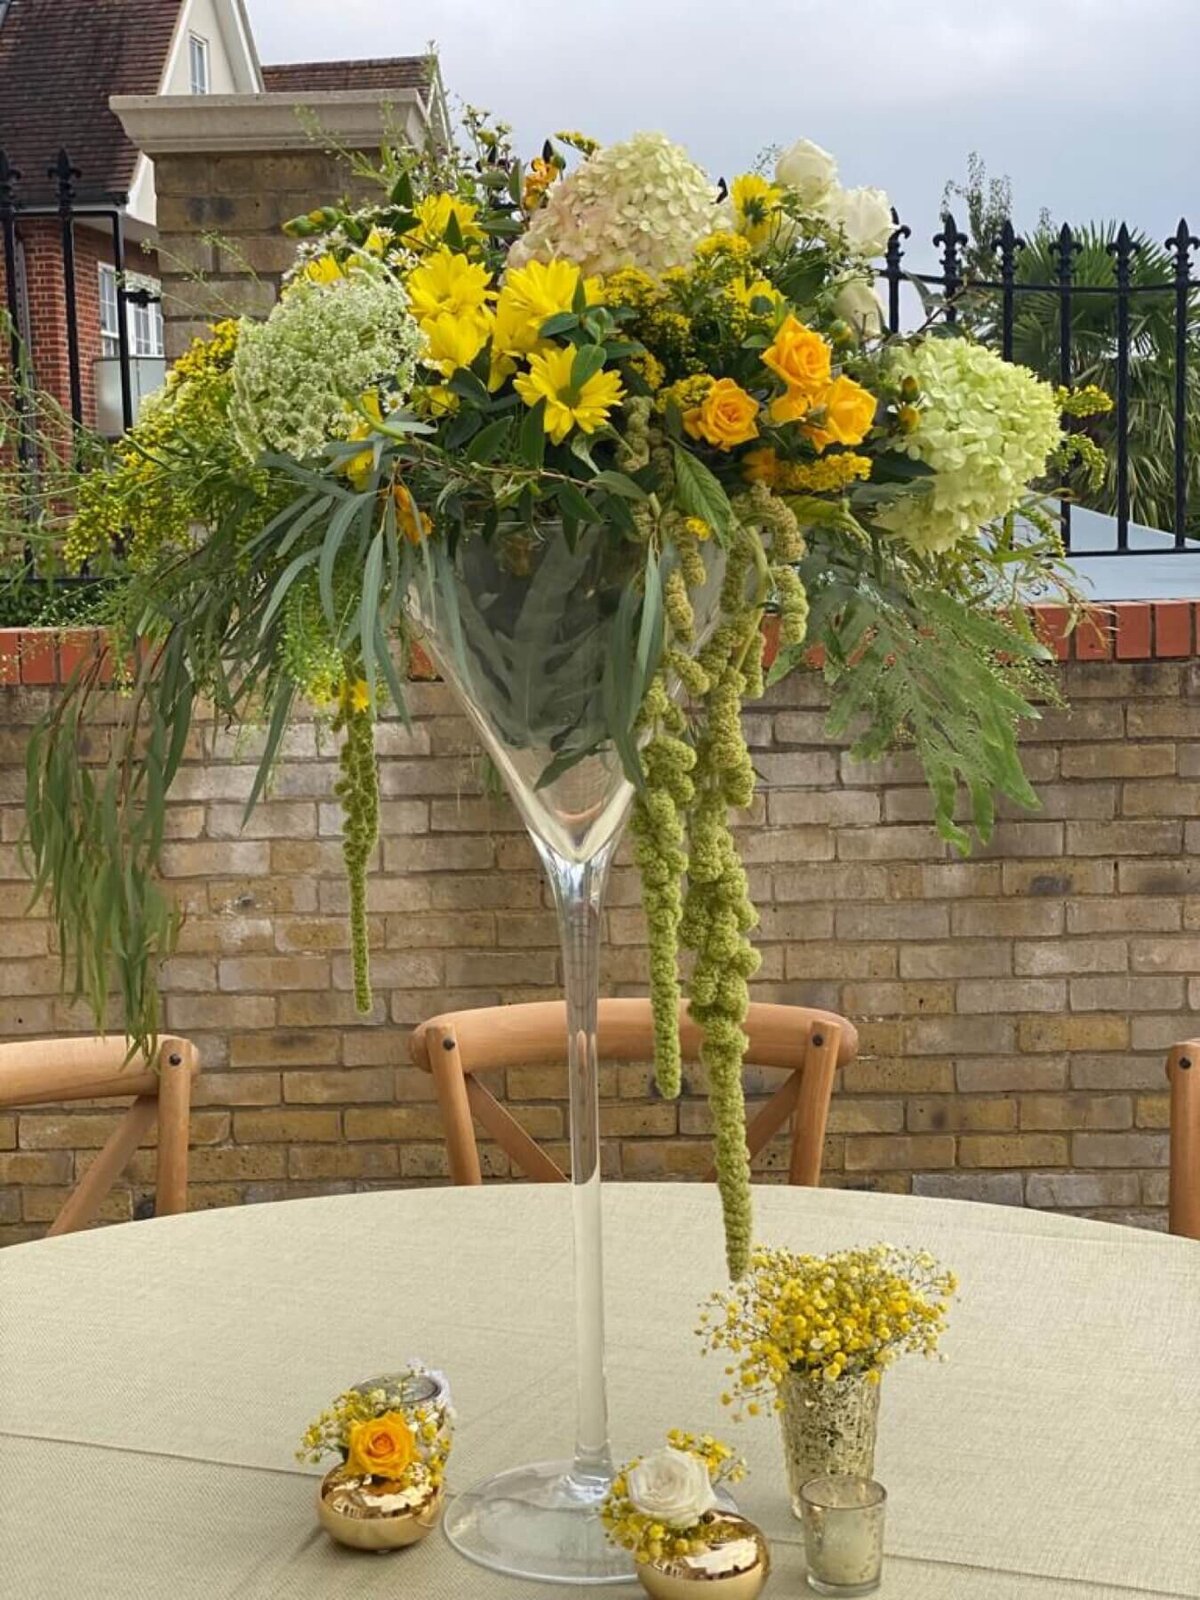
(323,269)
(415,524)
(755,206)
(532,293)
(447,281)
(433,215)
(568,405)
(745,291)
(453,341)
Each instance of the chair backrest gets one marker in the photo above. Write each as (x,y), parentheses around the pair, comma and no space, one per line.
(809,1044)
(1183,1200)
(48,1071)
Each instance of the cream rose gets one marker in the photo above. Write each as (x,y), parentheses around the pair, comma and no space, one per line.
(857,303)
(864,216)
(672,1486)
(807,170)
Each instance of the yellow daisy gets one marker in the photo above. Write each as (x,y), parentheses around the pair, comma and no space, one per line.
(585,406)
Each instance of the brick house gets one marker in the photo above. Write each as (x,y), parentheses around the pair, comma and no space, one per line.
(61,61)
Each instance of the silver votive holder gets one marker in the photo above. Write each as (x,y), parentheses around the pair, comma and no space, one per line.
(843,1534)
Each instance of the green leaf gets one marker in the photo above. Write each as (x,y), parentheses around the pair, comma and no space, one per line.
(699,494)
(618,483)
(372,583)
(576,505)
(402,192)
(589,359)
(531,443)
(486,443)
(335,535)
(467,386)
(284,583)
(560,322)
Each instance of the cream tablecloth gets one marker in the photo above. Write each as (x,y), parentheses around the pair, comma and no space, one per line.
(154,1378)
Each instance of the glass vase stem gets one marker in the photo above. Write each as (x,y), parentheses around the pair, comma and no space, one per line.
(578,888)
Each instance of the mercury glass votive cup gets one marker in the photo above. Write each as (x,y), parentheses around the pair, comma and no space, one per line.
(843,1534)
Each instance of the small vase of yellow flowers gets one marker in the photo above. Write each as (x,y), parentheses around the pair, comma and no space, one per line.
(813,1335)
(393,1435)
(667,1511)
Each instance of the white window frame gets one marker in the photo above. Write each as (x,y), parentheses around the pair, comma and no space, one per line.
(144,323)
(110,337)
(198,73)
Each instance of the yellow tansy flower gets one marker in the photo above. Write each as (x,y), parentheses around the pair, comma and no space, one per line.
(755,206)
(734,245)
(447,281)
(585,406)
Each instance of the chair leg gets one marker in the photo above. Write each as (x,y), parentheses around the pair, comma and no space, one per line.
(1183,1071)
(83,1202)
(812,1107)
(511,1136)
(768,1120)
(174,1129)
(450,1086)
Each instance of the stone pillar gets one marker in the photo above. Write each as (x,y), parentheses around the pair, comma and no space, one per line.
(229,170)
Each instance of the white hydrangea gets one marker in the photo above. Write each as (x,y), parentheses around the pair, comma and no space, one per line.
(643,203)
(323,345)
(986,428)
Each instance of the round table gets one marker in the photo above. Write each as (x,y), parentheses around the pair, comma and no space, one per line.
(154,1379)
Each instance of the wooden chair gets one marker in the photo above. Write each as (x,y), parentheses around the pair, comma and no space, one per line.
(45,1071)
(1183,1074)
(809,1045)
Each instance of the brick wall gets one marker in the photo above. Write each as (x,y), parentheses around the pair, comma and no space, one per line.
(1014,1008)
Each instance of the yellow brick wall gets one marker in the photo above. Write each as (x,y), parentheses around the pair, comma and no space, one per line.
(1014,1008)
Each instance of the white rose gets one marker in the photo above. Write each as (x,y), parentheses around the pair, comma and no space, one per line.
(672,1486)
(864,216)
(807,170)
(857,303)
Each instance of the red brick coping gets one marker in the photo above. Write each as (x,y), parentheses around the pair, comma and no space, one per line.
(1129,630)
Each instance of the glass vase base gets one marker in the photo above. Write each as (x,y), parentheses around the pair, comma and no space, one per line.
(537,1522)
(843,1591)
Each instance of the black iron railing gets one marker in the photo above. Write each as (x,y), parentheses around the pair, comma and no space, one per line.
(1002,295)
(69,207)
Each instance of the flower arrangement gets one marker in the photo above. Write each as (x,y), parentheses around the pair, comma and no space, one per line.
(381,1436)
(853,1312)
(536,355)
(660,1505)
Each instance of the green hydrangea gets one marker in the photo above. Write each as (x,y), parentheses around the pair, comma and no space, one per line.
(323,346)
(986,428)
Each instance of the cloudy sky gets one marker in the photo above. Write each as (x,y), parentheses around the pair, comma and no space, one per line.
(1089,105)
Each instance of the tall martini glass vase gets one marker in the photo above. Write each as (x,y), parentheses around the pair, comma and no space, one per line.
(540,636)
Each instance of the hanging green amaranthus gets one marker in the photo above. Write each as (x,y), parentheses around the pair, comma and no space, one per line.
(358,791)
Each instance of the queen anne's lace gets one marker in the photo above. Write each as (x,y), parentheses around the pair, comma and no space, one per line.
(323,345)
(986,428)
(642,203)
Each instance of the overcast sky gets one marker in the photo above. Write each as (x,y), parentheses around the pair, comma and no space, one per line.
(1090,106)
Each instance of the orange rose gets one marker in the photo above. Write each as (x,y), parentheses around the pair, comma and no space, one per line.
(382,1447)
(724,417)
(802,359)
(848,412)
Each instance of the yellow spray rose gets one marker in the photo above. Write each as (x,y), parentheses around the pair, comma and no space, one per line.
(802,360)
(381,1447)
(847,412)
(724,417)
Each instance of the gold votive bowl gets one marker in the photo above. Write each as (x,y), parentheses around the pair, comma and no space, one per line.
(734,1564)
